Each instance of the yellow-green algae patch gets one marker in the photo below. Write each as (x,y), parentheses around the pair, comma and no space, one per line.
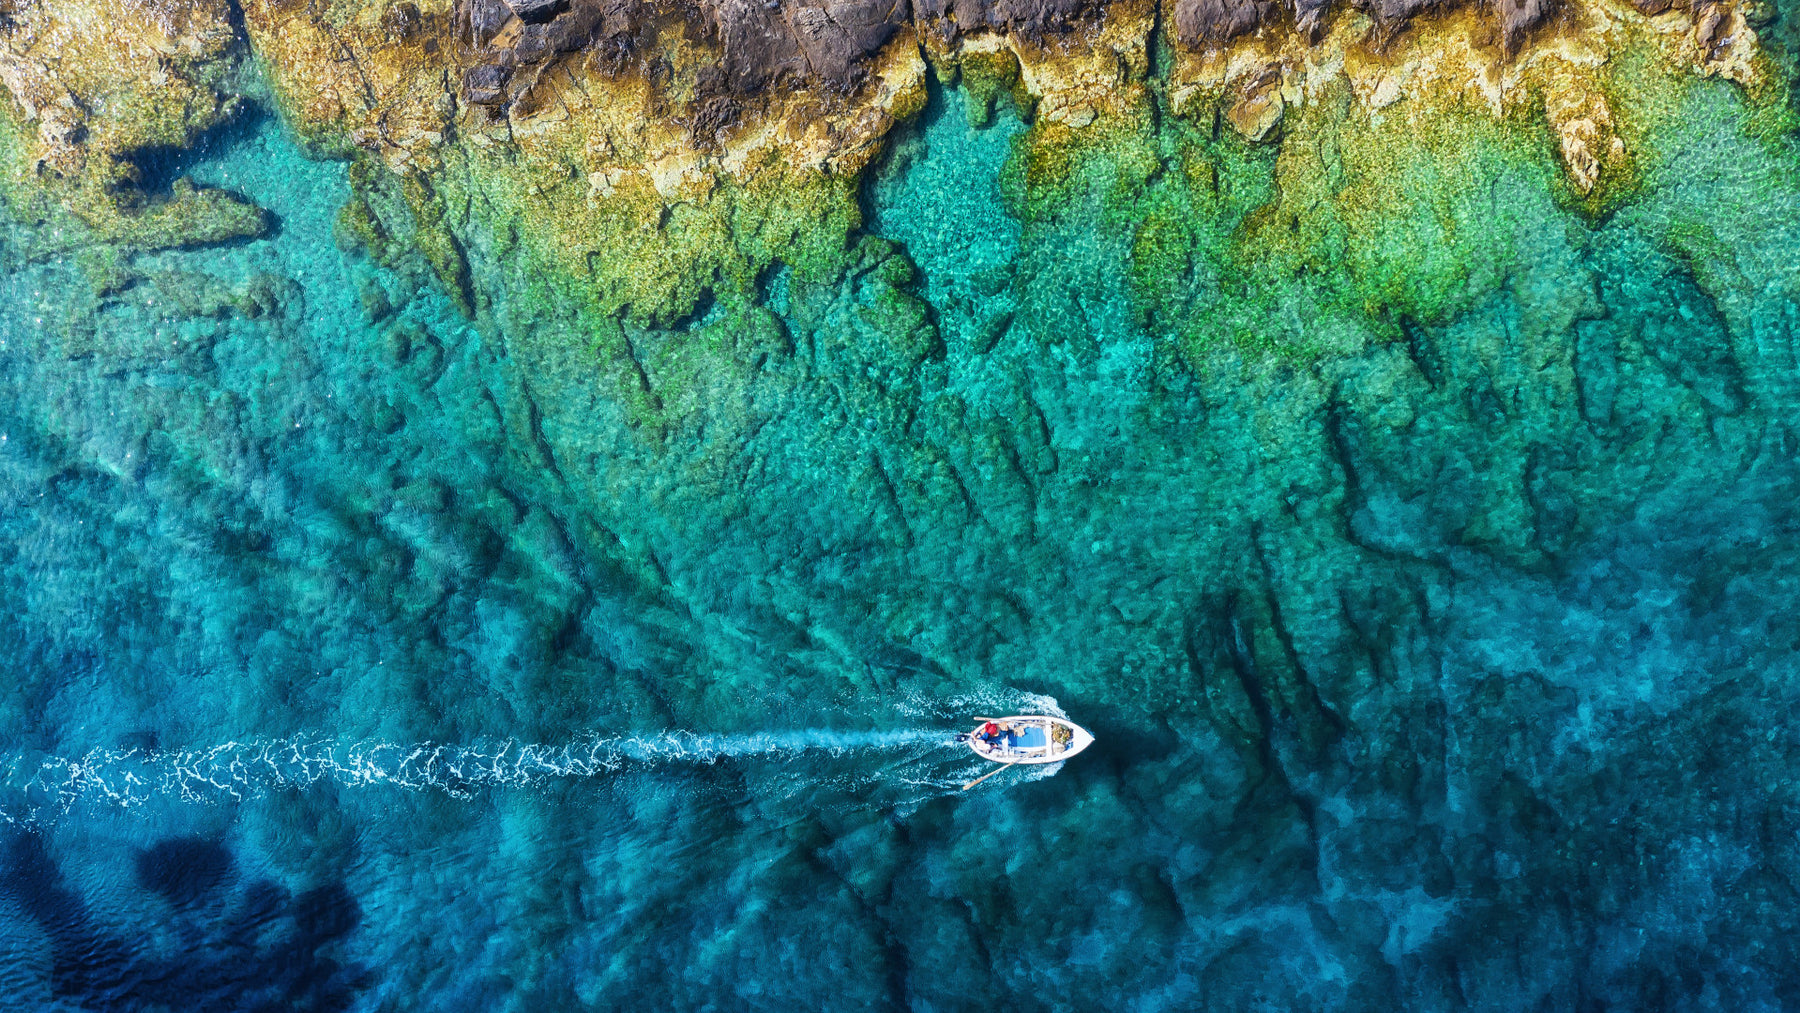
(1369,203)
(591,175)
(1360,215)
(94,88)
(1360,180)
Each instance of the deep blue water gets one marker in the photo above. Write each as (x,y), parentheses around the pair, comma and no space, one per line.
(1457,672)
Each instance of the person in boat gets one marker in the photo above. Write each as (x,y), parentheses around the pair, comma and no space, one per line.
(990,735)
(1000,737)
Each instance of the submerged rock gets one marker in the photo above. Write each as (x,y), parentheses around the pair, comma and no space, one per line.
(1407,517)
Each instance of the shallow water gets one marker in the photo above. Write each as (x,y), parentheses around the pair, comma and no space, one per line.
(1455,671)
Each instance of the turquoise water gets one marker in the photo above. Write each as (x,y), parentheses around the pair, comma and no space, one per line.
(364,656)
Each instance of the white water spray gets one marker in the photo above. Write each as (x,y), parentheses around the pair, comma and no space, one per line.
(902,767)
(898,769)
(237,770)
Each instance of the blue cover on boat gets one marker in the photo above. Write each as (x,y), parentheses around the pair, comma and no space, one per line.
(1031,738)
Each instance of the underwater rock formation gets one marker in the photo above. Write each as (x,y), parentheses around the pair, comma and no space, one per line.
(246,944)
(1375,420)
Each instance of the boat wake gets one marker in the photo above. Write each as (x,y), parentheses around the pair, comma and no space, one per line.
(895,768)
(910,766)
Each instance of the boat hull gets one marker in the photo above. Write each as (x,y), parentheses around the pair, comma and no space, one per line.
(1038,738)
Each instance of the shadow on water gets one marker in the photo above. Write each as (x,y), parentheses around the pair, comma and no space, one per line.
(906,144)
(160,167)
(246,944)
(183,871)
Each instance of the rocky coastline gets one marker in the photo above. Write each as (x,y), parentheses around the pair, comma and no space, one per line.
(1375,422)
(569,111)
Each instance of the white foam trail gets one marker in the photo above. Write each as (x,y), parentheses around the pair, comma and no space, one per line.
(237,770)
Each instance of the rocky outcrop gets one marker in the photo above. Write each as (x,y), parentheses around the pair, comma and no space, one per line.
(640,106)
(1396,511)
(1199,22)
(94,88)
(828,42)
(1425,61)
(1516,17)
(1030,19)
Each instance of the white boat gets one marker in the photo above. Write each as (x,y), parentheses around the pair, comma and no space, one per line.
(1035,738)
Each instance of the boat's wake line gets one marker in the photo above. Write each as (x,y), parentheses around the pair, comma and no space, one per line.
(922,763)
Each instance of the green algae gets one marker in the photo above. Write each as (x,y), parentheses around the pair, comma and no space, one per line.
(1358,223)
(642,267)
(634,255)
(106,210)
(1358,226)
(105,203)
(983,79)
(1357,231)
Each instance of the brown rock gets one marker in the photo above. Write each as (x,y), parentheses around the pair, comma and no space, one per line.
(1202,21)
(485,18)
(838,33)
(1040,18)
(575,30)
(759,47)
(1517,17)
(537,11)
(485,85)
(1707,23)
(1307,16)
(712,121)
(819,40)
(1258,111)
(1394,14)
(1033,19)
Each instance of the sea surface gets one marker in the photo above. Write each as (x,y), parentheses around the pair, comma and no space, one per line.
(1451,663)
